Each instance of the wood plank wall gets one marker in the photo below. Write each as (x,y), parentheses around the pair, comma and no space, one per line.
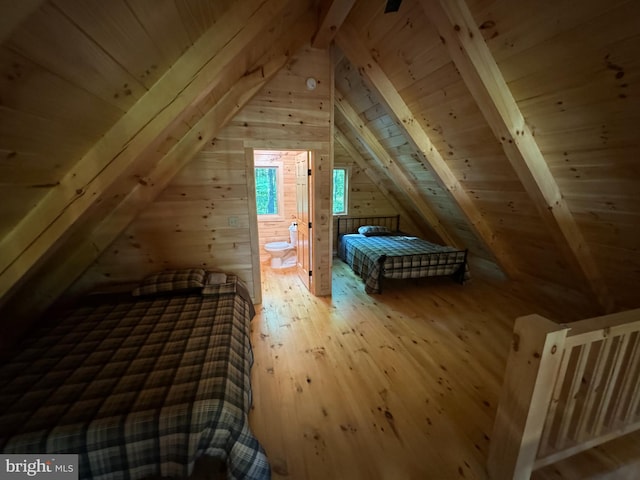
(202,217)
(364,197)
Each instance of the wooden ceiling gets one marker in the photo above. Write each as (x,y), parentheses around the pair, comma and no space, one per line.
(510,131)
(447,89)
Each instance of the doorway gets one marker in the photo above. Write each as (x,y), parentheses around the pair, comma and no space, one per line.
(282,192)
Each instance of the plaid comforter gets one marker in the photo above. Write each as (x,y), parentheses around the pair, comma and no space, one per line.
(137,388)
(398,256)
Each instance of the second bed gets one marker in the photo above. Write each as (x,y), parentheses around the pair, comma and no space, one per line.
(374,248)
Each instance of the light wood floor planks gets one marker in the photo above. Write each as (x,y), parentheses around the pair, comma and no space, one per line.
(401,385)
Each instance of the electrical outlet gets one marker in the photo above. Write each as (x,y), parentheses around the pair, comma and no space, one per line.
(232,221)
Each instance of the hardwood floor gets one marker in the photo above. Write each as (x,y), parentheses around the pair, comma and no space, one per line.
(401,385)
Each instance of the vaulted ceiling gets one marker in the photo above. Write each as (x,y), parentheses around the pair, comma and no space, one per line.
(509,131)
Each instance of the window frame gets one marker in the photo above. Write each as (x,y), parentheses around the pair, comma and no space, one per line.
(346,191)
(279,166)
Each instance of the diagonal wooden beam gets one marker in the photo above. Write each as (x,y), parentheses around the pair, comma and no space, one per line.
(333,13)
(13,13)
(376,178)
(484,79)
(189,81)
(395,172)
(349,42)
(121,204)
(86,245)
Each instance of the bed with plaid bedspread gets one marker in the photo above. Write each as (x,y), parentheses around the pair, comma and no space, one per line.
(140,387)
(399,256)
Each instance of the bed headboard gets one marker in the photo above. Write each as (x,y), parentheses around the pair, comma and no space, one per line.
(351,224)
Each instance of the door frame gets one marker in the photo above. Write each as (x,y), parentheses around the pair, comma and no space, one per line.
(253,214)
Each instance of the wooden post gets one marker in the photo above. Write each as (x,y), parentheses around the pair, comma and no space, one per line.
(528,384)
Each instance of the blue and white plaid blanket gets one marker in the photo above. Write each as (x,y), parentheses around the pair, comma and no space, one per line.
(141,387)
(398,256)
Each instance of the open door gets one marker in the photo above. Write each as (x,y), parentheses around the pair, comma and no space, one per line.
(303,203)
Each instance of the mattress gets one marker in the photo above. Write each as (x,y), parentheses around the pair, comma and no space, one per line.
(137,387)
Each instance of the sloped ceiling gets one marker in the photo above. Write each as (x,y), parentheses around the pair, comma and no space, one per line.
(430,88)
(148,83)
(511,132)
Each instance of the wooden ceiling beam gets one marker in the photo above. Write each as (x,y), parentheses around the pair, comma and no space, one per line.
(369,141)
(373,174)
(333,13)
(190,80)
(356,51)
(481,74)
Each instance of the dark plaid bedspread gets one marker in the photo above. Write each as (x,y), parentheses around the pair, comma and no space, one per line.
(138,388)
(403,257)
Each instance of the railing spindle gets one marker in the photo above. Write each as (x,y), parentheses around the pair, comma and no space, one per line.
(629,385)
(593,388)
(572,397)
(610,383)
(545,442)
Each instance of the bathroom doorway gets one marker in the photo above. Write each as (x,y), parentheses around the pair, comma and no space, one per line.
(282,206)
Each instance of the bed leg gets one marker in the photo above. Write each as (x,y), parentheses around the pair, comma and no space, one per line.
(381,260)
(455,276)
(458,276)
(463,269)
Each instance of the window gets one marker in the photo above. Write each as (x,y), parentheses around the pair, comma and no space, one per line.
(267,190)
(269,175)
(340,191)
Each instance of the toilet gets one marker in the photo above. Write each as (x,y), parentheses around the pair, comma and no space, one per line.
(283,254)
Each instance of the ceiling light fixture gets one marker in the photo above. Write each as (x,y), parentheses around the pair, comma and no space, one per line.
(312,83)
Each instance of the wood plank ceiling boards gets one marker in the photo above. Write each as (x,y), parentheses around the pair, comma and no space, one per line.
(87,244)
(348,41)
(395,172)
(195,75)
(509,131)
(119,205)
(482,76)
(378,179)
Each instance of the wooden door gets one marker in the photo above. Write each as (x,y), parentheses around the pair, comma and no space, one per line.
(303,174)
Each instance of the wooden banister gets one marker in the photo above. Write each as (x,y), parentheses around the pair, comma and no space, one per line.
(528,384)
(567,388)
